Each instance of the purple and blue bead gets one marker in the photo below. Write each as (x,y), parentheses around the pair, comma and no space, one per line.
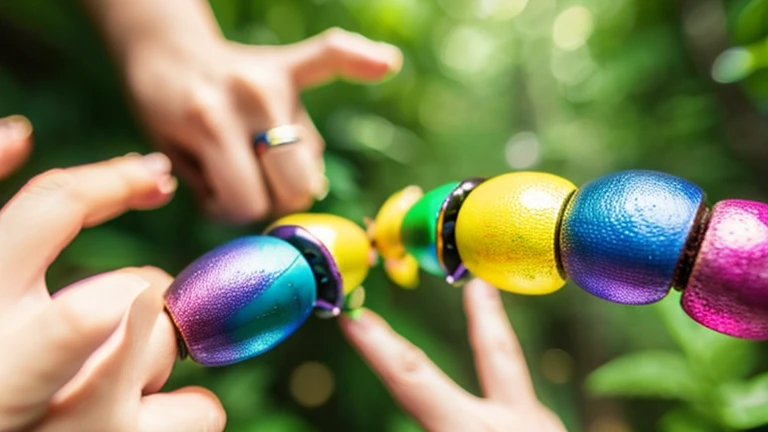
(241,299)
(623,235)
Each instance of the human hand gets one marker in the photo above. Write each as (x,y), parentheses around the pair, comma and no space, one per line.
(203,99)
(436,402)
(80,360)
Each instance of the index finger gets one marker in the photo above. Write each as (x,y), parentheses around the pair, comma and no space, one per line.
(417,384)
(500,364)
(50,211)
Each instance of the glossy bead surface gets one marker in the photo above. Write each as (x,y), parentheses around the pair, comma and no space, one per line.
(505,231)
(346,241)
(728,287)
(241,299)
(419,230)
(623,234)
(455,271)
(385,231)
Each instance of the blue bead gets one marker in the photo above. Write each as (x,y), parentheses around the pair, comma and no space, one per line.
(623,234)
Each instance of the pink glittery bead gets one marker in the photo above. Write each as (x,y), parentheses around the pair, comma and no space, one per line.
(728,288)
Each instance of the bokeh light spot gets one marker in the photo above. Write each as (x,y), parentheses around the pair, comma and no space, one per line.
(557,366)
(572,28)
(733,65)
(467,50)
(500,10)
(522,150)
(312,384)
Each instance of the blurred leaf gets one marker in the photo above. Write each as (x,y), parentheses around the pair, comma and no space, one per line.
(685,420)
(744,405)
(401,423)
(751,23)
(280,422)
(714,356)
(646,374)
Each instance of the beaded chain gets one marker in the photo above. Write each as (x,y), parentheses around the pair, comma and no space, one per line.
(627,237)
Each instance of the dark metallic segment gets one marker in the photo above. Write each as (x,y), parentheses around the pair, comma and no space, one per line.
(447,253)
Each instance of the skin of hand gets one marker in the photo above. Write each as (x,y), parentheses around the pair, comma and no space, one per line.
(94,356)
(203,99)
(432,398)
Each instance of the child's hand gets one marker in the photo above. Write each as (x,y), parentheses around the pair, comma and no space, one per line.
(435,401)
(74,362)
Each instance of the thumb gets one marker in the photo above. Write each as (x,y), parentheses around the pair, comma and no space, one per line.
(190,409)
(48,351)
(337,52)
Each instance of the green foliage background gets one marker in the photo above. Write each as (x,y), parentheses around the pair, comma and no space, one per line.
(576,88)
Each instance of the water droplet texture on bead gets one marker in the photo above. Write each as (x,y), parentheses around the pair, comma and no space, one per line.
(419,230)
(241,299)
(728,288)
(506,231)
(623,234)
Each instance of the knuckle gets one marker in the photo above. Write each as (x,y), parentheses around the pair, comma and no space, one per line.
(73,324)
(410,363)
(335,38)
(53,183)
(496,344)
(202,111)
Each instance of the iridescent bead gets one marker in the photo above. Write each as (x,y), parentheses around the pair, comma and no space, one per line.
(728,287)
(241,299)
(623,234)
(340,246)
(506,231)
(419,229)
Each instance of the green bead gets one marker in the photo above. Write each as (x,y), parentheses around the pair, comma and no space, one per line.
(419,230)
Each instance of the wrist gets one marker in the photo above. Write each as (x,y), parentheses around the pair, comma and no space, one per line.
(132,27)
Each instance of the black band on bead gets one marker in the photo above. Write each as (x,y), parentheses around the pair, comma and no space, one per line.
(691,250)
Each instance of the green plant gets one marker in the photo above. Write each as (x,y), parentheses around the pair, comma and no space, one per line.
(709,378)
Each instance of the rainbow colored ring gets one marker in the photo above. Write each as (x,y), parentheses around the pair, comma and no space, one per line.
(277,136)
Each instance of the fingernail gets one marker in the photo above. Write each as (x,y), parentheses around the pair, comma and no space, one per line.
(157,163)
(167,185)
(15,127)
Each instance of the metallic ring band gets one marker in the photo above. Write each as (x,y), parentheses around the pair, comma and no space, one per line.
(277,136)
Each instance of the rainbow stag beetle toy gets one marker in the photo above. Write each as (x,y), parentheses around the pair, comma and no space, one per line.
(627,237)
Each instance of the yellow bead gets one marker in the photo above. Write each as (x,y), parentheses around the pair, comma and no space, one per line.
(506,230)
(389,220)
(401,267)
(347,242)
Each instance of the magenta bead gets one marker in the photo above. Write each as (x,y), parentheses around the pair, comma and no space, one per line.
(728,288)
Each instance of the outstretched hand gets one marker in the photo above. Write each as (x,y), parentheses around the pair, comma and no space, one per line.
(94,356)
(432,398)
